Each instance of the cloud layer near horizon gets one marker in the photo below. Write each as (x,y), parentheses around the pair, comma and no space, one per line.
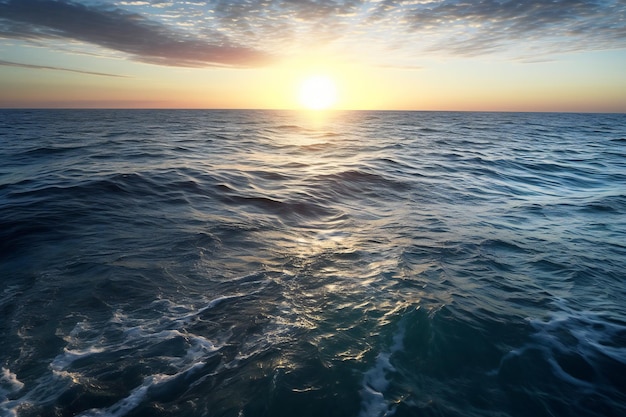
(48,67)
(243,33)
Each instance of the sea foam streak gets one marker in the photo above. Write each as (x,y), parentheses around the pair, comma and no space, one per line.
(376,380)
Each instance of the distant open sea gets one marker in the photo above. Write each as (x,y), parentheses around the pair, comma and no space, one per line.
(276,263)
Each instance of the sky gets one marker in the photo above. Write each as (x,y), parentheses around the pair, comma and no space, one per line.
(482,55)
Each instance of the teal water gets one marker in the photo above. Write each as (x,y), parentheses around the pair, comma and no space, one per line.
(263,263)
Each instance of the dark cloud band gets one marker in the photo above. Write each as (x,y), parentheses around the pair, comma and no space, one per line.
(121,31)
(47,67)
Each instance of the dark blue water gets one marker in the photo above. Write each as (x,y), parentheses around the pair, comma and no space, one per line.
(260,263)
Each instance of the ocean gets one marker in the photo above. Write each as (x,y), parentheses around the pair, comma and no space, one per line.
(282,263)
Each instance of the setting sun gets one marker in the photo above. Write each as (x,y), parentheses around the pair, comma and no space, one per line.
(317,93)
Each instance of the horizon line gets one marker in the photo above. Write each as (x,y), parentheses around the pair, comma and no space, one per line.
(313,111)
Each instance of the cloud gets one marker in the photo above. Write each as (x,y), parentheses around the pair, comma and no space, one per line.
(487,25)
(145,40)
(479,27)
(32,66)
(452,27)
(402,67)
(245,33)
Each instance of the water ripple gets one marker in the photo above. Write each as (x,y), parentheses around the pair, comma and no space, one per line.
(267,263)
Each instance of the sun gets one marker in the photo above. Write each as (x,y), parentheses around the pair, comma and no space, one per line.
(317,92)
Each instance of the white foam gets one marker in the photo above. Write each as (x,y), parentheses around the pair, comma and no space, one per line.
(375,383)
(212,304)
(123,406)
(219,300)
(124,332)
(64,360)
(191,313)
(376,380)
(46,389)
(9,383)
(140,393)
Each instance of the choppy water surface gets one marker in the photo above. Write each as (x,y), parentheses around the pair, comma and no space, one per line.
(229,263)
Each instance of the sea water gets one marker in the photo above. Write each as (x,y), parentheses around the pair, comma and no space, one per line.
(276,263)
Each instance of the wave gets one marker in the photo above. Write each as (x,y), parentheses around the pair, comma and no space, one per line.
(573,351)
(258,263)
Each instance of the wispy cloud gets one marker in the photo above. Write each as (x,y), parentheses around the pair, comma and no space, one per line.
(402,67)
(120,30)
(246,33)
(47,67)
